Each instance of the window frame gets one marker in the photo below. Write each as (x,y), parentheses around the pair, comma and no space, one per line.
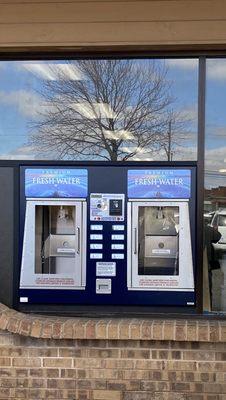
(136,53)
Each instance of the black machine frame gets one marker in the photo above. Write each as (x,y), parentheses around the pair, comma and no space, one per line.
(82,309)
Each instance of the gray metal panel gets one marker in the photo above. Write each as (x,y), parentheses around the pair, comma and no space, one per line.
(161,246)
(6,234)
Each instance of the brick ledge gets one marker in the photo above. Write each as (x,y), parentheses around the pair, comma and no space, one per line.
(48,327)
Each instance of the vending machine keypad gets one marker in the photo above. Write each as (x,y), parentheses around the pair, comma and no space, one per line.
(107,209)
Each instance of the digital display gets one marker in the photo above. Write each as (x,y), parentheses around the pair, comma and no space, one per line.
(115,207)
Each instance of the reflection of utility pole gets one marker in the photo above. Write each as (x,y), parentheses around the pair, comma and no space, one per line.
(169,151)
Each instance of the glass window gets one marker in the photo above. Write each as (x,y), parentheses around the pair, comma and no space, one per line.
(215,188)
(54,239)
(158,240)
(124,109)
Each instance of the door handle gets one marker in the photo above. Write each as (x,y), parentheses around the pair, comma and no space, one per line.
(135,241)
(78,240)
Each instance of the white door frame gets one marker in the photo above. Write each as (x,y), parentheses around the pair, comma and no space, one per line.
(182,282)
(28,277)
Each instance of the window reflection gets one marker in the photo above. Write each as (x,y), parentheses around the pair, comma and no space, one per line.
(128,109)
(158,240)
(215,188)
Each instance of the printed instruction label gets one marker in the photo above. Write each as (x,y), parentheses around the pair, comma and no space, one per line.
(105,268)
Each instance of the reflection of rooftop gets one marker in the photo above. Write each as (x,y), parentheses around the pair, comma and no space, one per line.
(218,191)
(216,195)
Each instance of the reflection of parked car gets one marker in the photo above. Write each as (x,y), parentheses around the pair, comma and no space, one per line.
(208,216)
(219,223)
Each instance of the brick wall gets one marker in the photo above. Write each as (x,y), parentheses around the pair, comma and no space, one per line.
(52,358)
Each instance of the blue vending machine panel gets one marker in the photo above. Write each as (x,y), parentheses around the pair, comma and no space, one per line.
(103,234)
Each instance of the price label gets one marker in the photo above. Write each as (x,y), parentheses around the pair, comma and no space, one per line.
(96,237)
(116,246)
(118,227)
(96,255)
(117,237)
(96,227)
(96,246)
(118,256)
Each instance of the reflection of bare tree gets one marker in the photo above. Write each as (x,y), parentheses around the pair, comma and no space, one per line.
(175,134)
(114,110)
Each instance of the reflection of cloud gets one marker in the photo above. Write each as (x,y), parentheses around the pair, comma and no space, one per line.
(141,158)
(53,71)
(94,111)
(185,153)
(136,149)
(215,158)
(215,132)
(118,134)
(24,152)
(183,63)
(179,154)
(214,163)
(221,132)
(216,69)
(26,102)
(31,105)
(189,113)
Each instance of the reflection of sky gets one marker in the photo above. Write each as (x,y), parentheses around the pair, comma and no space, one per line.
(19,102)
(184,84)
(215,123)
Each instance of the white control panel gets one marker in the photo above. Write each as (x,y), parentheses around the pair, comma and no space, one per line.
(107,207)
(107,235)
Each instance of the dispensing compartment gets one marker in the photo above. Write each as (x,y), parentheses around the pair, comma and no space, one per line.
(158,240)
(55,239)
(159,245)
(54,245)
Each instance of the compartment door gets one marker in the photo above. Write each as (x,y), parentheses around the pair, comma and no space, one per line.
(54,245)
(160,247)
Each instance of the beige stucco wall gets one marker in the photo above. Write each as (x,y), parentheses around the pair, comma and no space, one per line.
(40,23)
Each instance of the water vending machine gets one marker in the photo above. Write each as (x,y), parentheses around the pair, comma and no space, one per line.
(54,243)
(159,235)
(108,234)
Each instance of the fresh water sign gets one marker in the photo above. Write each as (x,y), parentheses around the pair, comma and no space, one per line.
(51,182)
(159,183)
